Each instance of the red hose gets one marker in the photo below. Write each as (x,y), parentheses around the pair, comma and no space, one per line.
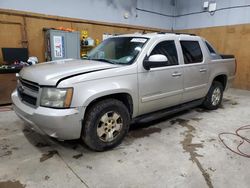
(5,108)
(243,140)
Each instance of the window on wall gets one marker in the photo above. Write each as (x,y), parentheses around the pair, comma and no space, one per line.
(168,49)
(192,52)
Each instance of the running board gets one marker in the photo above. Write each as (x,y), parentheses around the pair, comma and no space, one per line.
(166,112)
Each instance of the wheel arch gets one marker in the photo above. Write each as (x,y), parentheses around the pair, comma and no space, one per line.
(124,97)
(222,78)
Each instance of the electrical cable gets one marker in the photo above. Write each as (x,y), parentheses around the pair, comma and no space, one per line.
(192,13)
(217,10)
(153,12)
(244,139)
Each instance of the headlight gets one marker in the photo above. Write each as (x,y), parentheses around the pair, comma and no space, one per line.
(56,98)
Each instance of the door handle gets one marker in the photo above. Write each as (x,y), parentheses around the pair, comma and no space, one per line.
(176,74)
(203,70)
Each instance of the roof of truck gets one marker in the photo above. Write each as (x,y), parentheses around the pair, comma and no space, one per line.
(155,35)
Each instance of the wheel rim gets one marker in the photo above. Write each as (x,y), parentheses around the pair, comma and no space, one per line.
(109,126)
(216,97)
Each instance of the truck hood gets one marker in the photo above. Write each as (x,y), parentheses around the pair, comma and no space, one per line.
(51,72)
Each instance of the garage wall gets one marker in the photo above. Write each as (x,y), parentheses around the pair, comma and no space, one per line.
(190,14)
(25,29)
(148,13)
(27,18)
(219,29)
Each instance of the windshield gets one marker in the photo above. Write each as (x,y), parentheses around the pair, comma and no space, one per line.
(118,50)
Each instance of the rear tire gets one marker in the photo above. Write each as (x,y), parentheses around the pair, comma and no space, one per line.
(106,124)
(214,96)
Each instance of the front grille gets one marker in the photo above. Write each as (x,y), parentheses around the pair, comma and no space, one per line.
(27,84)
(28,92)
(28,99)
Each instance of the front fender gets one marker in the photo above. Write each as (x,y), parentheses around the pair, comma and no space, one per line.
(86,92)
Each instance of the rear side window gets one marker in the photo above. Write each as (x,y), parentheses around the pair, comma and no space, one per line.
(192,52)
(168,49)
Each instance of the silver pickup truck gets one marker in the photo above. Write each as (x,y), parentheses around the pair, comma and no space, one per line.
(127,78)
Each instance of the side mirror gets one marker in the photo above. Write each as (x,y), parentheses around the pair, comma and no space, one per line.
(157,60)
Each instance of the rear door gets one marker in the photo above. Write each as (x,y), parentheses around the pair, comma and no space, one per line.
(195,70)
(161,87)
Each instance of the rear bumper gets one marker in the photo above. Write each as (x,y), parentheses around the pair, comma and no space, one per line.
(64,124)
(230,82)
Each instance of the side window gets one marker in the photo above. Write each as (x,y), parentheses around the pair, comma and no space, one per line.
(192,52)
(210,48)
(168,49)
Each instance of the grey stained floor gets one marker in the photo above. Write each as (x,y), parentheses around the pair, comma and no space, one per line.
(179,151)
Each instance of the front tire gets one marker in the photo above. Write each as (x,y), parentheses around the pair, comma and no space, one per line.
(106,124)
(214,96)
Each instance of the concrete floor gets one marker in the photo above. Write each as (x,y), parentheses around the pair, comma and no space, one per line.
(179,151)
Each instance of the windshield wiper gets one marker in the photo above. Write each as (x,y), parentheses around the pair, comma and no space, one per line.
(104,60)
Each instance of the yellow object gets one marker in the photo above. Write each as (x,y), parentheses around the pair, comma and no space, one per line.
(83,54)
(97,41)
(84,34)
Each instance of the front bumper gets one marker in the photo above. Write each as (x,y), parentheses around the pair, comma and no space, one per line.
(63,124)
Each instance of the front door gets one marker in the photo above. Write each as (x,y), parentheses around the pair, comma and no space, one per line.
(161,87)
